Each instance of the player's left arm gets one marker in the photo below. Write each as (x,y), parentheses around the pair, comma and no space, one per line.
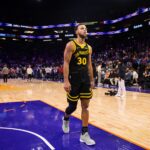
(90,68)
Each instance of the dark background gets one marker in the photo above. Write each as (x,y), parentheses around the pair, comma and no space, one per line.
(43,12)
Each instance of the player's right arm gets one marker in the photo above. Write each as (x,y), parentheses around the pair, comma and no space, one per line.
(69,49)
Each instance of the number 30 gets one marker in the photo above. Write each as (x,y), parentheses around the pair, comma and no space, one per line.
(81,61)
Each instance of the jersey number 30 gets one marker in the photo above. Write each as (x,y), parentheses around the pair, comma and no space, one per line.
(82,61)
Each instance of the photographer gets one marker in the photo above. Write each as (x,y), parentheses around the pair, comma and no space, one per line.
(121,79)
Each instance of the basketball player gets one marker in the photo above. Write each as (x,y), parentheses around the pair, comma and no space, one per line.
(78,80)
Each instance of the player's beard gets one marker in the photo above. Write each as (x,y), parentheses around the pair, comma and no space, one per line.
(82,36)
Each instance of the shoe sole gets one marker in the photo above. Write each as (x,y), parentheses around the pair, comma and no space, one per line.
(65,132)
(86,143)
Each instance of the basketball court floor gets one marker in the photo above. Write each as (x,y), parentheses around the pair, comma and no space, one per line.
(31,118)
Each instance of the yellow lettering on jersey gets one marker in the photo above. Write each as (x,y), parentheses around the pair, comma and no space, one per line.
(82,61)
(84,52)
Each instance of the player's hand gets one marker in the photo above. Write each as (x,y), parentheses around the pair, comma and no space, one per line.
(67,86)
(92,85)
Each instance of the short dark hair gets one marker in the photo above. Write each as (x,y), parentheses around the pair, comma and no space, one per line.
(76,26)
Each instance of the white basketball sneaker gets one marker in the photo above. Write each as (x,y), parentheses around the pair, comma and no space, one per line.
(65,126)
(85,138)
(118,95)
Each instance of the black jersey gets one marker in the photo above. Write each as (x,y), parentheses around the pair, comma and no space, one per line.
(79,59)
(78,74)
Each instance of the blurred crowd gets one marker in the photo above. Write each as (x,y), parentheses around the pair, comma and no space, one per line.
(135,56)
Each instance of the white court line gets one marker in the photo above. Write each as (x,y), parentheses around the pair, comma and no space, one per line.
(37,135)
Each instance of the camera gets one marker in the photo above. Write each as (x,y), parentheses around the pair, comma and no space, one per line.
(111,92)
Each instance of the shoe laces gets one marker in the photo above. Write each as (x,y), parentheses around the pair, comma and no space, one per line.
(87,136)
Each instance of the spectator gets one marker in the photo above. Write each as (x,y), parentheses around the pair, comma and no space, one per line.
(5,72)
(135,77)
(99,72)
(121,79)
(29,73)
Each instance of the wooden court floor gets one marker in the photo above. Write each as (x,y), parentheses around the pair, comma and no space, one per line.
(128,118)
